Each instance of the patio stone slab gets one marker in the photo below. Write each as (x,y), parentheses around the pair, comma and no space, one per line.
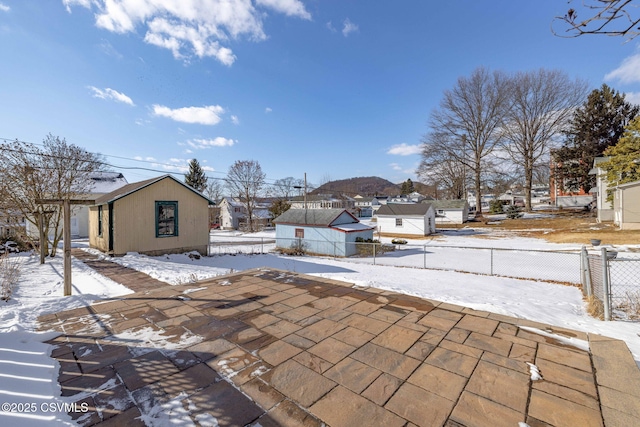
(343,408)
(421,407)
(476,411)
(299,382)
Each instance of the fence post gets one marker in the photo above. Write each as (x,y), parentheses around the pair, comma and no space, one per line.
(605,285)
(492,261)
(586,272)
(425,256)
(374,253)
(262,246)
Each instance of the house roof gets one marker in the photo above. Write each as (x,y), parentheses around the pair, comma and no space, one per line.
(448,204)
(106,182)
(628,184)
(318,217)
(596,161)
(135,186)
(401,209)
(320,198)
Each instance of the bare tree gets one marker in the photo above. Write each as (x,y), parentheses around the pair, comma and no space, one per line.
(214,189)
(609,17)
(541,104)
(466,126)
(285,188)
(57,170)
(245,180)
(440,169)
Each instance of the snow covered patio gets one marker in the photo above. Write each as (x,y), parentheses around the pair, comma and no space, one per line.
(269,347)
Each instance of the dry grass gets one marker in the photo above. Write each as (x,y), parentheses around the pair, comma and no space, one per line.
(595,308)
(560,227)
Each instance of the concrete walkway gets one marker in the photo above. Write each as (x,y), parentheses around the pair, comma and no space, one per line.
(273,348)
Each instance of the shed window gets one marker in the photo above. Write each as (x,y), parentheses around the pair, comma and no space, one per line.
(166,219)
(398,222)
(100,220)
(299,233)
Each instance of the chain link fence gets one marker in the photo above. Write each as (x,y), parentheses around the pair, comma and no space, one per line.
(614,282)
(557,266)
(613,279)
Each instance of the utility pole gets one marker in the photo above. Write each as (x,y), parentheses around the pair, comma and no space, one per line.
(305,198)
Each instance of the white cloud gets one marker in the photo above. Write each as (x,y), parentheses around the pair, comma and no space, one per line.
(174,165)
(628,71)
(200,144)
(632,97)
(268,110)
(145,159)
(349,27)
(110,94)
(288,7)
(395,166)
(235,120)
(4,7)
(331,28)
(189,28)
(405,149)
(209,115)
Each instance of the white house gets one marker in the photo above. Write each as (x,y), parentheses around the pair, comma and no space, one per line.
(417,219)
(451,211)
(233,214)
(604,208)
(368,206)
(414,197)
(322,201)
(101,183)
(626,206)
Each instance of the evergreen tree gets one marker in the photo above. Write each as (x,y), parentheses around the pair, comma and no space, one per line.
(595,126)
(279,207)
(407,187)
(624,158)
(196,177)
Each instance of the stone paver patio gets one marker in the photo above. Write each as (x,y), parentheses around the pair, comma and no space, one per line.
(274,348)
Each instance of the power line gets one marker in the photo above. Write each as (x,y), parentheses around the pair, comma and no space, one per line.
(98,155)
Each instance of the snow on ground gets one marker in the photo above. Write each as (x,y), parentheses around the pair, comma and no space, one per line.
(28,375)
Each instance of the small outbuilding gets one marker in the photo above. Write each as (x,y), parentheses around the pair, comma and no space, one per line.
(626,206)
(157,216)
(321,231)
(451,211)
(416,219)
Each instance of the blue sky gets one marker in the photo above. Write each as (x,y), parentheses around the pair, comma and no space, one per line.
(333,88)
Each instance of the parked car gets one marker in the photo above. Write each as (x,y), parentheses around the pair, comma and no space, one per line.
(9,246)
(215,226)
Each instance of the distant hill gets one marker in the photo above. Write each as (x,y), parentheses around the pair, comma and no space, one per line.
(364,186)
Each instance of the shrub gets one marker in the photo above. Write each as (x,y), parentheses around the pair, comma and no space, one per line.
(495,206)
(9,274)
(366,247)
(399,242)
(513,212)
(298,247)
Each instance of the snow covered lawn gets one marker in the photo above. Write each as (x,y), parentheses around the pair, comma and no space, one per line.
(28,375)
